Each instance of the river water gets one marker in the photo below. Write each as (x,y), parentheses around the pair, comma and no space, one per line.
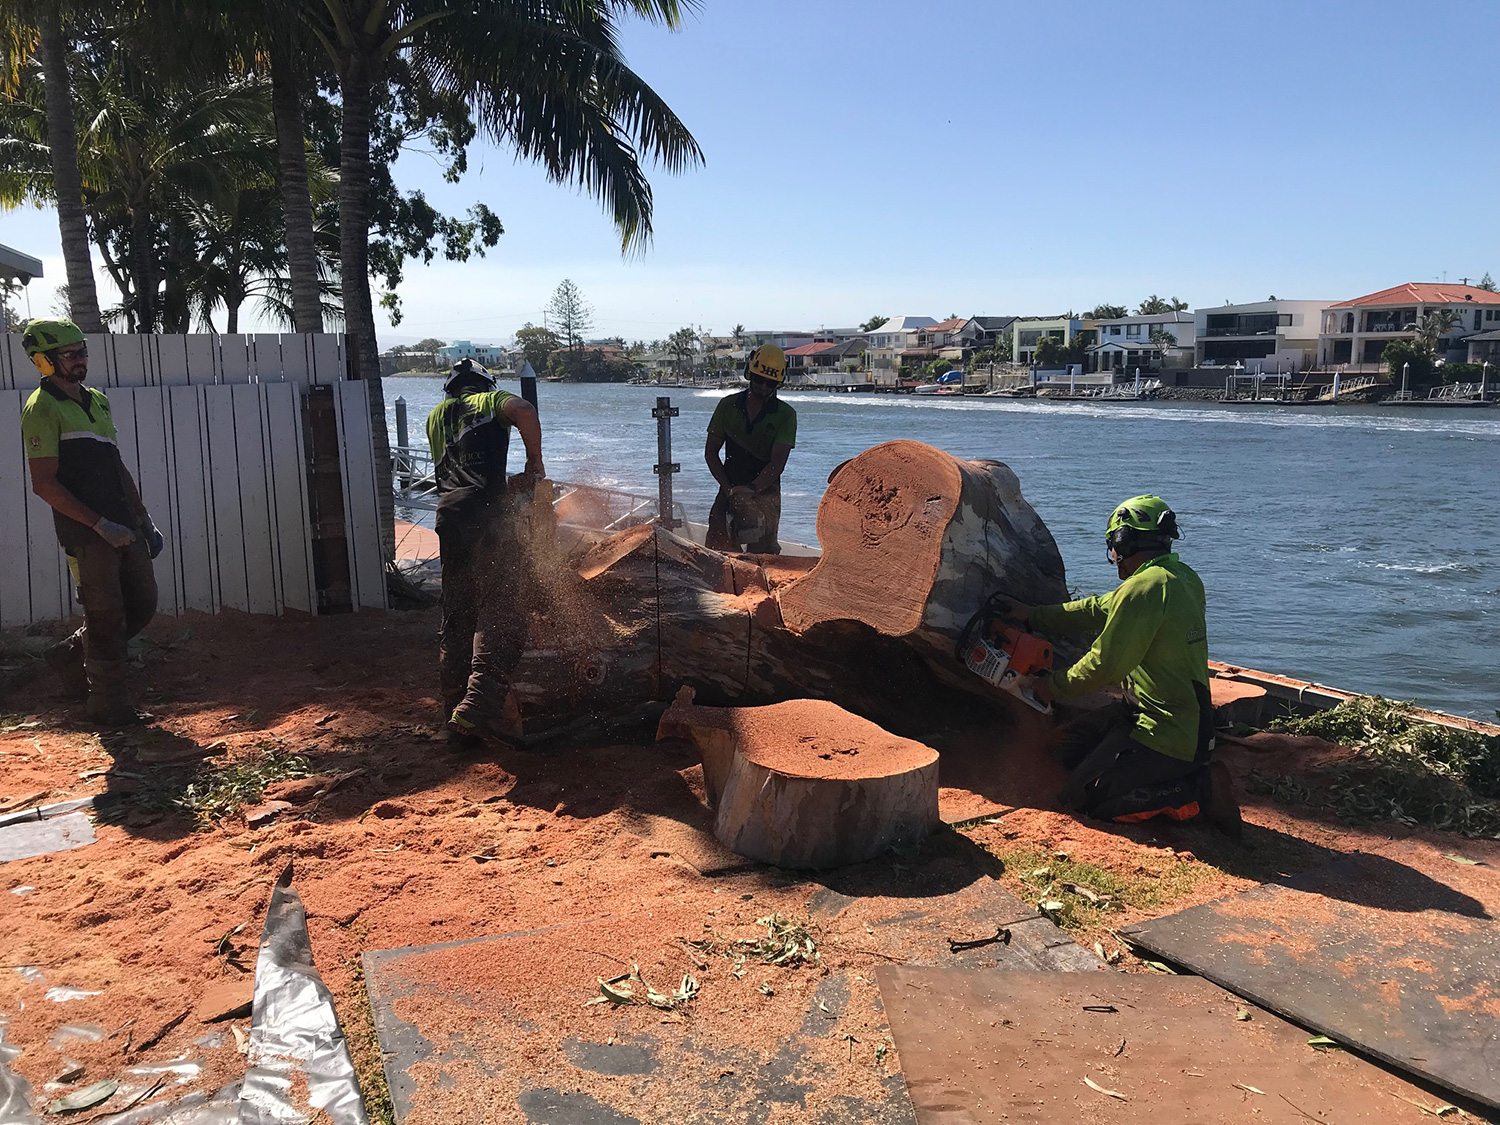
(1356,546)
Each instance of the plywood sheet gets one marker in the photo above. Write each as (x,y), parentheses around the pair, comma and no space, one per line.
(1396,961)
(361,502)
(15,485)
(1021,1048)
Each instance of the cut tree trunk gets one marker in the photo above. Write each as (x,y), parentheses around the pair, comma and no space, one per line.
(805,784)
(914,540)
(871,626)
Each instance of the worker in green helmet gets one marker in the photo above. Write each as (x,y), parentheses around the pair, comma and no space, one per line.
(103,527)
(1151,754)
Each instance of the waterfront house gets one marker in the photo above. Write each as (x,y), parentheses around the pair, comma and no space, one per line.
(1127,342)
(1027,332)
(1357,331)
(490,355)
(1484,347)
(900,340)
(1267,336)
(827,356)
(980,332)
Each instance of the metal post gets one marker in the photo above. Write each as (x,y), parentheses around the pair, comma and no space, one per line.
(403,444)
(528,381)
(1335,398)
(1137,382)
(664,412)
(1405,394)
(1484,378)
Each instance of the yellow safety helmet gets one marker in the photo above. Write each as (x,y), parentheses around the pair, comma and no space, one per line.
(767,362)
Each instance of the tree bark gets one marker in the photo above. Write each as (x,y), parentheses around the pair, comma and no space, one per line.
(62,143)
(142,268)
(296,202)
(354,269)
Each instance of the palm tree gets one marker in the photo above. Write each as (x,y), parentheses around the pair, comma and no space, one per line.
(1434,326)
(544,76)
(35,28)
(738,334)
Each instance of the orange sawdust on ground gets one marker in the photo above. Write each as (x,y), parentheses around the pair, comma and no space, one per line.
(420,846)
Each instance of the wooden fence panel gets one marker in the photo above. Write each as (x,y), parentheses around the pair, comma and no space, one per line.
(171,360)
(202,359)
(15,484)
(287,460)
(296,359)
(265,357)
(254,498)
(361,502)
(234,359)
(232,580)
(197,538)
(130,360)
(155,475)
(327,359)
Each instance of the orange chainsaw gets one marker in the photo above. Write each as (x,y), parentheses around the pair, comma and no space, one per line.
(1003,654)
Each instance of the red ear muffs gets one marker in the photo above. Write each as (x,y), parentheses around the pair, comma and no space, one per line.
(44,364)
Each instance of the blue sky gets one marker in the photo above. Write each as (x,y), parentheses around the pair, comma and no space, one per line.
(1005,157)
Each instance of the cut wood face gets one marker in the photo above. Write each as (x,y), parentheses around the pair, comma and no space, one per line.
(881,525)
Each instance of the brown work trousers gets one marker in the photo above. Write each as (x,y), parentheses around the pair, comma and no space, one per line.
(767,505)
(487,600)
(117,589)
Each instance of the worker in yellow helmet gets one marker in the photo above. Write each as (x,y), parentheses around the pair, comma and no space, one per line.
(756,431)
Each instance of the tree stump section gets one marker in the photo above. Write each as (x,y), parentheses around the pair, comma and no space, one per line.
(806,784)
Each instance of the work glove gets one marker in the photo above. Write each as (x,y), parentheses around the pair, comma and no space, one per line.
(155,541)
(115,534)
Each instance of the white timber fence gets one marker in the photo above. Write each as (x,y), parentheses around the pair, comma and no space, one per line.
(254,455)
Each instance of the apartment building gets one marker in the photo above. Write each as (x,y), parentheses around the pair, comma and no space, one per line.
(1267,335)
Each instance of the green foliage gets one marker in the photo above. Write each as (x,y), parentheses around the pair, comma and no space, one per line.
(1465,372)
(1154,305)
(1486,282)
(1050,351)
(682,344)
(1105,312)
(537,345)
(589,365)
(1400,353)
(936,368)
(1405,769)
(570,313)
(873,323)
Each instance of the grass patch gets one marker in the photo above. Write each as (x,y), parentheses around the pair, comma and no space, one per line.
(1089,894)
(1405,770)
(364,1047)
(222,791)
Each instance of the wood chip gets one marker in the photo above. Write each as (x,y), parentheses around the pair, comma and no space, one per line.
(1092,1085)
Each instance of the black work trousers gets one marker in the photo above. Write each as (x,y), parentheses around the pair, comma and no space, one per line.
(117,588)
(1111,776)
(486,605)
(766,505)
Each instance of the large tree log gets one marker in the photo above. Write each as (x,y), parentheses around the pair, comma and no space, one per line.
(914,541)
(807,784)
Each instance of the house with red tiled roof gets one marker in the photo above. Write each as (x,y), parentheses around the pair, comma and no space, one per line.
(1357,331)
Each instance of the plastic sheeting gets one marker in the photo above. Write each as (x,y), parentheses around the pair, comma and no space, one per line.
(15,1091)
(295,1038)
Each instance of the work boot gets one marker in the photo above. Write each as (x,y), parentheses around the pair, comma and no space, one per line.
(471,719)
(66,659)
(107,705)
(1216,800)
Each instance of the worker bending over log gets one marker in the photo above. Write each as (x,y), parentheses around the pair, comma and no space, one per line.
(488,580)
(1150,754)
(756,431)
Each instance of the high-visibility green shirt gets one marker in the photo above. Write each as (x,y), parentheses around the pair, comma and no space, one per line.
(749,444)
(469,436)
(1151,634)
(81,435)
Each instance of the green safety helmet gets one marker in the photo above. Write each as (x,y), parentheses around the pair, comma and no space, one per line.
(1140,523)
(46,333)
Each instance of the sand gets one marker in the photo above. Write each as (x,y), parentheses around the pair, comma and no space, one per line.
(387,858)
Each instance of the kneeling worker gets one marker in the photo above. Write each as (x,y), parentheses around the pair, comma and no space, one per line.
(1151,755)
(486,580)
(757,431)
